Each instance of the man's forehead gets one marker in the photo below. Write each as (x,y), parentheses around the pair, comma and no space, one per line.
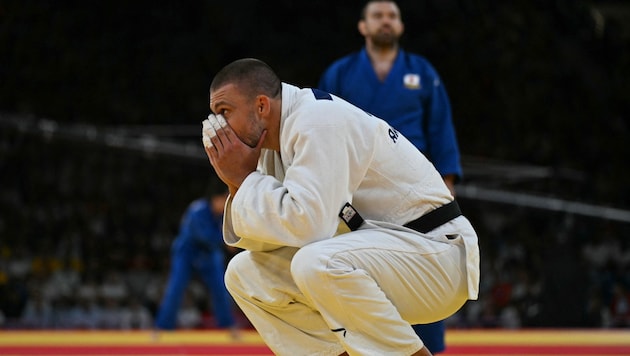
(223,94)
(382,6)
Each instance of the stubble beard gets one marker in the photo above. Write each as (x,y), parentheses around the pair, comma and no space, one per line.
(253,136)
(385,40)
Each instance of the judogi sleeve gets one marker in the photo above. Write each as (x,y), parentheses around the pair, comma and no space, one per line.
(303,207)
(441,137)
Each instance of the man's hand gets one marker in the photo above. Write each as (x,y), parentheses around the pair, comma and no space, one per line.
(450,183)
(232,159)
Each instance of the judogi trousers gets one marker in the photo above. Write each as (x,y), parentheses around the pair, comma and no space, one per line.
(357,292)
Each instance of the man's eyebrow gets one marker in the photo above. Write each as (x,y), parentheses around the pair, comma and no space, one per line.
(217,104)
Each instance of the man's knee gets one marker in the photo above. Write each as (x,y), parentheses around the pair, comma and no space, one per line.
(233,271)
(314,265)
(307,265)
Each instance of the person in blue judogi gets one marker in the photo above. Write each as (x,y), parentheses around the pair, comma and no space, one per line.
(405,90)
(199,248)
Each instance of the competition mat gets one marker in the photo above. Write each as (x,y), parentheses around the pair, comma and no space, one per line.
(596,342)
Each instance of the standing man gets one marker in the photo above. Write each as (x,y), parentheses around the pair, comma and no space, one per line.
(350,233)
(405,90)
(199,248)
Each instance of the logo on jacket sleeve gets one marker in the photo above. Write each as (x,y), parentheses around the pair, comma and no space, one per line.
(411,81)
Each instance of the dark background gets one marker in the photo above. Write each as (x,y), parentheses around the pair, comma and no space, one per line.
(540,83)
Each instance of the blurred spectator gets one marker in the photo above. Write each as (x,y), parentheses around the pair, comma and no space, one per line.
(114,287)
(38,312)
(603,249)
(89,289)
(63,281)
(111,315)
(620,307)
(189,316)
(83,313)
(138,274)
(510,318)
(19,261)
(135,316)
(62,307)
(596,313)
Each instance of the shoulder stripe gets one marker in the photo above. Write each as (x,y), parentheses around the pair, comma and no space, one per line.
(321,95)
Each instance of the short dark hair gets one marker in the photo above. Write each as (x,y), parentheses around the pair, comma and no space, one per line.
(368,2)
(252,76)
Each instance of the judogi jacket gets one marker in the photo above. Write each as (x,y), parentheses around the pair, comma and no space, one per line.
(412,99)
(331,152)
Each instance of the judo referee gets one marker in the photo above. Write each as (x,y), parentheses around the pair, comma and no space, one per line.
(350,234)
(405,90)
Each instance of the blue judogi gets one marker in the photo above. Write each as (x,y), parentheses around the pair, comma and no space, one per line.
(414,101)
(199,247)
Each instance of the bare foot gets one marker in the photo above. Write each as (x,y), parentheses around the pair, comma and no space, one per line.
(235,333)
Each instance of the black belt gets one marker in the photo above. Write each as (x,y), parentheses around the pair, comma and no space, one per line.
(423,224)
(435,218)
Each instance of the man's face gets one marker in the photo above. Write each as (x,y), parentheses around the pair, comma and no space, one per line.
(239,112)
(382,24)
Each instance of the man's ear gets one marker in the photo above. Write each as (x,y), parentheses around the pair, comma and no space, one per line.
(263,105)
(361,27)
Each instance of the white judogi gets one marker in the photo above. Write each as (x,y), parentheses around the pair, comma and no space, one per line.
(308,293)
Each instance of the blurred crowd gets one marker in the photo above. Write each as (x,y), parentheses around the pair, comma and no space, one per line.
(550,270)
(85,236)
(45,292)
